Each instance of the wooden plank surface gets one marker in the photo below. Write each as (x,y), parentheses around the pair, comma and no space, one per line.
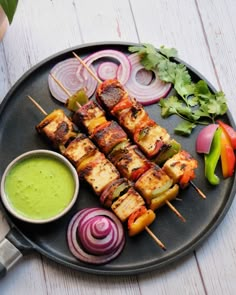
(204,34)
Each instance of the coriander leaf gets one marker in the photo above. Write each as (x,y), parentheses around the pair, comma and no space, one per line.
(166,71)
(168,52)
(138,49)
(200,113)
(221,101)
(169,106)
(149,61)
(185,128)
(201,89)
(193,100)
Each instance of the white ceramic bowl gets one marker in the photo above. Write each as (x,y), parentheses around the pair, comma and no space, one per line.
(34,154)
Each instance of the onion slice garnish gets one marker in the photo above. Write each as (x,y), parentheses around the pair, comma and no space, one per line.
(145,94)
(65,71)
(107,70)
(204,139)
(118,56)
(95,236)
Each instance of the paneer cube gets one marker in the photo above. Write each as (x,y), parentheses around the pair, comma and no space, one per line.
(56,128)
(180,164)
(97,171)
(79,148)
(127,204)
(153,183)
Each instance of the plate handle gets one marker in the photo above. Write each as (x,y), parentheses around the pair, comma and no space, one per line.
(12,249)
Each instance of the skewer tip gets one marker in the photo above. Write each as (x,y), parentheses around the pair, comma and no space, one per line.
(198,190)
(154,237)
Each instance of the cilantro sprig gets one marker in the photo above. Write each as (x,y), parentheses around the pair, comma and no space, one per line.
(194,102)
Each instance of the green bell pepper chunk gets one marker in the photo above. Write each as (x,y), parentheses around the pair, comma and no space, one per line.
(163,156)
(79,98)
(212,158)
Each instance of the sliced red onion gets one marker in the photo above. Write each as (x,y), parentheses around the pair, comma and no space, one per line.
(145,94)
(204,138)
(124,67)
(65,72)
(144,77)
(107,70)
(95,236)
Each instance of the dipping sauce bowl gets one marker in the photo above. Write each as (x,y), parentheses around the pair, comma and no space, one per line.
(39,186)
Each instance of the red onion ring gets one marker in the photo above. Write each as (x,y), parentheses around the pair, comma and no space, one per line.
(95,236)
(107,70)
(145,94)
(144,77)
(124,67)
(65,72)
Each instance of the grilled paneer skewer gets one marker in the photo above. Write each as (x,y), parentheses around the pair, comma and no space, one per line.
(97,170)
(152,139)
(150,180)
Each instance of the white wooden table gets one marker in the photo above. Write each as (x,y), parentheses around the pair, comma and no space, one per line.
(204,32)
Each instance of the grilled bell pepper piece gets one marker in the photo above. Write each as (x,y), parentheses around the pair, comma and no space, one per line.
(139,220)
(230,132)
(74,102)
(161,199)
(124,103)
(227,155)
(173,148)
(212,158)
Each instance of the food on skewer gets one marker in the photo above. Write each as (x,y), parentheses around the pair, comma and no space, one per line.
(128,202)
(127,158)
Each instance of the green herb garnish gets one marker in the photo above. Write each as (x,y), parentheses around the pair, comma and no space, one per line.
(194,102)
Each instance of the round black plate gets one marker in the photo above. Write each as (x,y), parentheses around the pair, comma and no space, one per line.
(18,117)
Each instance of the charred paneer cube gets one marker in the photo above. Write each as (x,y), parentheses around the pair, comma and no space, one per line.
(151,138)
(153,183)
(128,203)
(79,148)
(108,136)
(98,171)
(130,162)
(181,168)
(89,116)
(56,128)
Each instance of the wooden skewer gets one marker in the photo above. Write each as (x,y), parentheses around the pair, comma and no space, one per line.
(153,236)
(87,68)
(198,190)
(67,92)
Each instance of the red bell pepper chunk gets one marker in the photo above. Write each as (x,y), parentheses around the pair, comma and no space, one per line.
(231,133)
(124,103)
(227,155)
(138,172)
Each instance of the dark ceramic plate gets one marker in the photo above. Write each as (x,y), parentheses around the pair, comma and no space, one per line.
(18,117)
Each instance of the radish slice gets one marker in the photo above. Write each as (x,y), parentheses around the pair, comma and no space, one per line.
(95,236)
(107,70)
(145,94)
(204,138)
(65,72)
(124,67)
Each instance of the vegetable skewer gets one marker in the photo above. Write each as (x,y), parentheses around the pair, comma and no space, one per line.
(99,81)
(167,202)
(146,227)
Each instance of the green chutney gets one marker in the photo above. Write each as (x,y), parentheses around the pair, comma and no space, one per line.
(39,187)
